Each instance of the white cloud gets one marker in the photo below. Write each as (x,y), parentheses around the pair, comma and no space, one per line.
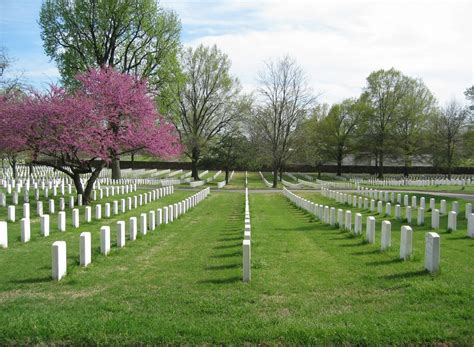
(339,43)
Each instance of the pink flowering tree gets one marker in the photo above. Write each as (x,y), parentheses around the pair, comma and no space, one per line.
(79,133)
(12,143)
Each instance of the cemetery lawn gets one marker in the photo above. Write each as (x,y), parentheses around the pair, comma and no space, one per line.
(311,284)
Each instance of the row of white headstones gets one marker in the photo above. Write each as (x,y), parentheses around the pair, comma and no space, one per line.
(327,215)
(415,182)
(246,253)
(125,205)
(11,209)
(267,183)
(385,196)
(59,187)
(223,183)
(164,216)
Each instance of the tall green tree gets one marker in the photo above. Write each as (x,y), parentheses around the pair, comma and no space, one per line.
(384,93)
(309,143)
(132,36)
(450,127)
(229,152)
(339,130)
(412,122)
(207,100)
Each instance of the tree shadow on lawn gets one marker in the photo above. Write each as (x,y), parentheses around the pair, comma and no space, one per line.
(457,237)
(233,279)
(343,236)
(230,238)
(374,251)
(384,262)
(231,233)
(311,227)
(234,245)
(352,244)
(223,267)
(403,275)
(227,255)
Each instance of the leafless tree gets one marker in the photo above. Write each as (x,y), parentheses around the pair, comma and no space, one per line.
(449,125)
(207,100)
(285,99)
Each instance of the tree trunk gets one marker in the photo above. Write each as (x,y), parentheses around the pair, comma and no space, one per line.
(13,165)
(194,163)
(450,160)
(86,195)
(133,160)
(319,170)
(226,175)
(30,169)
(380,175)
(275,176)
(76,178)
(376,158)
(281,172)
(339,167)
(116,174)
(405,169)
(449,169)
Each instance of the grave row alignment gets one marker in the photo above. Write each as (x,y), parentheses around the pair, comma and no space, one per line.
(164,216)
(327,215)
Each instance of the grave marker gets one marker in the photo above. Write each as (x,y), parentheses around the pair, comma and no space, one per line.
(432,252)
(85,248)
(59,264)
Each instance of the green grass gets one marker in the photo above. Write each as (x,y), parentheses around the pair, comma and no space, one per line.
(311,284)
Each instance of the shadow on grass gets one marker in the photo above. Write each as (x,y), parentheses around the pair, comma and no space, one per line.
(223,267)
(375,251)
(384,262)
(33,280)
(409,274)
(234,245)
(227,255)
(231,233)
(352,244)
(230,238)
(311,227)
(459,237)
(342,236)
(221,280)
(233,229)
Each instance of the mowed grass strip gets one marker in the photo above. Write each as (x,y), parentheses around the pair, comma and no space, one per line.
(311,284)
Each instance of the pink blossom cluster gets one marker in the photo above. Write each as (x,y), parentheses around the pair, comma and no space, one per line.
(108,115)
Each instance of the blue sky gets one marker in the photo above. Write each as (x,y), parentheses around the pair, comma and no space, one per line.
(338,42)
(20,35)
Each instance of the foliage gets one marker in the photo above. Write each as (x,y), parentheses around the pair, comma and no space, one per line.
(108,115)
(135,37)
(338,133)
(308,143)
(285,100)
(384,92)
(415,110)
(450,128)
(206,101)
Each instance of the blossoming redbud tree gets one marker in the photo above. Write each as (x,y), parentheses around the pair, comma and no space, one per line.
(78,133)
